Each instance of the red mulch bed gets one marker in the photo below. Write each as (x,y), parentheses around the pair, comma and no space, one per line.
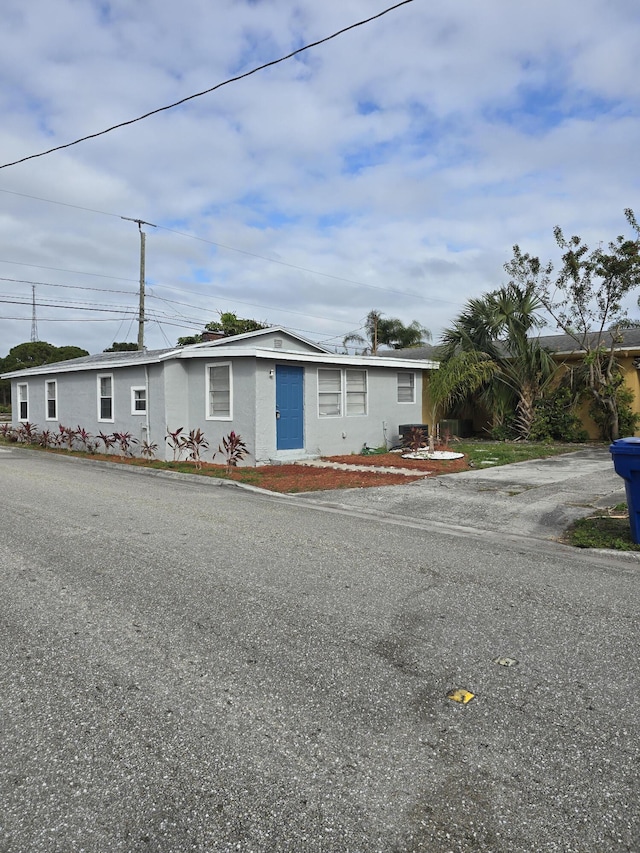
(306,478)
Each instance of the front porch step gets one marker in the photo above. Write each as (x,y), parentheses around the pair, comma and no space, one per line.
(288,457)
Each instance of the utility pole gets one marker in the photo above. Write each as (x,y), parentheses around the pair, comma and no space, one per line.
(34,321)
(141,222)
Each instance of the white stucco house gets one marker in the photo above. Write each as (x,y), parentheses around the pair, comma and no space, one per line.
(287,397)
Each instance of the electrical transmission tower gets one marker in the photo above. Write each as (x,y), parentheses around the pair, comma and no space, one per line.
(34,319)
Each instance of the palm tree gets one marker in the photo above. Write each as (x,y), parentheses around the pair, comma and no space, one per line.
(388,331)
(498,327)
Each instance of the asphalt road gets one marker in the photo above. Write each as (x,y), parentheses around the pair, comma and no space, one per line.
(192,667)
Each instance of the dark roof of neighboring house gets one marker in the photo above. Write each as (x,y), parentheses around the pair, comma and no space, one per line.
(554,343)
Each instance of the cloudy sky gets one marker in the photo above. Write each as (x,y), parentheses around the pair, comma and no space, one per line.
(392,167)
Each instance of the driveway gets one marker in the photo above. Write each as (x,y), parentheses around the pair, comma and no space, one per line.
(539,498)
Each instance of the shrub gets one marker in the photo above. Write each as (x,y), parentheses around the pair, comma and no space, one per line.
(414,439)
(555,419)
(233,449)
(148,450)
(195,443)
(175,442)
(628,420)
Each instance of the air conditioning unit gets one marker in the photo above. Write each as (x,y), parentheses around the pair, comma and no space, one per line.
(405,429)
(461,428)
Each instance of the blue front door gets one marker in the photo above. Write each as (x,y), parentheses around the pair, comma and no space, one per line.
(289,407)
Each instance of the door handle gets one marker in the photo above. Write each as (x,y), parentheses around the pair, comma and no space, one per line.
(277,414)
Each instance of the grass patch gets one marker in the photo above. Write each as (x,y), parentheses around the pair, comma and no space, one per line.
(508,452)
(606,530)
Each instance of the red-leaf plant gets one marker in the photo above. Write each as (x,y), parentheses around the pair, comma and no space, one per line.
(175,442)
(233,449)
(28,433)
(147,449)
(414,439)
(67,436)
(107,440)
(126,442)
(84,437)
(46,438)
(195,443)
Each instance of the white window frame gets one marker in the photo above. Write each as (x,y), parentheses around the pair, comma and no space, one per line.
(208,391)
(48,399)
(99,378)
(322,395)
(23,398)
(134,389)
(411,385)
(353,392)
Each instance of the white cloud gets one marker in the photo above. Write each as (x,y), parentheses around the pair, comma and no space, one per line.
(407,155)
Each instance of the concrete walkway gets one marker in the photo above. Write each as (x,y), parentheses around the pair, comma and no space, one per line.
(378,469)
(539,498)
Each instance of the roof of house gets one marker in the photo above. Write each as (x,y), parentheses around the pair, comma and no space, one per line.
(558,344)
(231,347)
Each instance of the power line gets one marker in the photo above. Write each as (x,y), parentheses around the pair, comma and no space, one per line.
(213,88)
(152,295)
(63,269)
(67,286)
(230,249)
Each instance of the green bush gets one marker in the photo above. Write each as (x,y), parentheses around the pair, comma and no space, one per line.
(556,420)
(628,420)
(504,431)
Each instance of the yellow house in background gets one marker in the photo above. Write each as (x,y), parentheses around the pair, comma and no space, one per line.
(565,352)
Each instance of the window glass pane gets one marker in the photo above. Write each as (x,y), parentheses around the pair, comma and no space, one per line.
(23,405)
(406,387)
(220,391)
(356,392)
(51,400)
(105,408)
(329,392)
(140,400)
(105,402)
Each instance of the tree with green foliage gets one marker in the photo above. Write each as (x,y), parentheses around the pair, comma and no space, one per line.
(585,299)
(33,354)
(388,331)
(456,379)
(122,346)
(228,325)
(492,340)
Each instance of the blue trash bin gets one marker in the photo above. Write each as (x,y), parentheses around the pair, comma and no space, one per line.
(625,453)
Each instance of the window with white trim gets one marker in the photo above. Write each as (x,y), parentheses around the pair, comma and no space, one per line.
(356,390)
(23,402)
(406,387)
(329,392)
(138,400)
(51,399)
(219,392)
(105,397)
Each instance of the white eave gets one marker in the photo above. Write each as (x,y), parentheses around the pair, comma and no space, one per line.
(224,353)
(310,357)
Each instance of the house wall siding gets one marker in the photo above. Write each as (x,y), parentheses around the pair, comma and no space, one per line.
(331,436)
(243,403)
(77,400)
(177,397)
(267,340)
